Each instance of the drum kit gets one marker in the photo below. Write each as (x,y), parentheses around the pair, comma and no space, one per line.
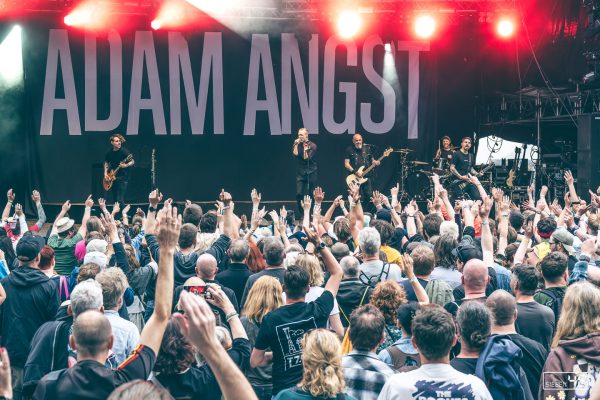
(415,176)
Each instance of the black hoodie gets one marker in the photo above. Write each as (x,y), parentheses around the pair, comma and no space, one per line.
(31,299)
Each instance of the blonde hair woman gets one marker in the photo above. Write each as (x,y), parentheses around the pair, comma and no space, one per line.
(264,297)
(575,354)
(322,377)
(311,264)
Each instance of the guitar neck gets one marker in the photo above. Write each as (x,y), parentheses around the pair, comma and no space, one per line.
(366,171)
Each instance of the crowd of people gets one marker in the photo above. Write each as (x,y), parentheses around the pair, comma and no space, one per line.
(473,300)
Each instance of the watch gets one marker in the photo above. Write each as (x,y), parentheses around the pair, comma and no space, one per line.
(320,247)
(152,209)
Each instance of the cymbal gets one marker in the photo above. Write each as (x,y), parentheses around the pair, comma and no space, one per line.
(419,162)
(439,171)
(403,151)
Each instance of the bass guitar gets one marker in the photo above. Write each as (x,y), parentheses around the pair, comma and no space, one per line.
(514,171)
(111,176)
(353,179)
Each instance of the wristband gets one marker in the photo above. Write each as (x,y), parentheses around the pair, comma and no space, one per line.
(485,221)
(152,209)
(577,202)
(231,315)
(413,280)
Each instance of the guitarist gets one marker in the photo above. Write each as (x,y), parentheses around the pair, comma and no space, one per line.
(358,155)
(462,165)
(114,158)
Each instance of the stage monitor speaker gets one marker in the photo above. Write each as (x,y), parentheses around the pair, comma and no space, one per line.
(588,165)
(140,184)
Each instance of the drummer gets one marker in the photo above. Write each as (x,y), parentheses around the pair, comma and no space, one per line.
(446,151)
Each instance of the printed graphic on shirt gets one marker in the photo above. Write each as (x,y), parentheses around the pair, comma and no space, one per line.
(289,337)
(428,390)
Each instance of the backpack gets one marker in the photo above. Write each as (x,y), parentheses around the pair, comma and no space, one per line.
(556,303)
(346,343)
(403,362)
(439,292)
(372,281)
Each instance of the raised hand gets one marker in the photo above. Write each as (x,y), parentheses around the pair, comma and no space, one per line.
(306,202)
(89,202)
(283,212)
(318,195)
(225,197)
(569,178)
(110,225)
(504,205)
(10,195)
(18,210)
(385,201)
(497,194)
(312,236)
(154,198)
(140,212)
(219,299)
(376,199)
(102,204)
(274,217)
(168,226)
(336,201)
(589,247)
(354,192)
(408,268)
(528,229)
(256,197)
(486,207)
(66,206)
(198,322)
(116,208)
(126,209)
(35,196)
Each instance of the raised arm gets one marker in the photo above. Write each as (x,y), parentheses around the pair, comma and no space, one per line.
(328,217)
(334,269)
(37,199)
(230,228)
(358,217)
(21,215)
(220,299)
(524,245)
(420,292)
(411,215)
(198,326)
(110,227)
(503,224)
(487,240)
(10,197)
(570,181)
(63,211)
(306,202)
(168,226)
(86,215)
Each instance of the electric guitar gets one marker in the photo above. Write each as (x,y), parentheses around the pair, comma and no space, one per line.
(111,176)
(353,179)
(460,184)
(512,174)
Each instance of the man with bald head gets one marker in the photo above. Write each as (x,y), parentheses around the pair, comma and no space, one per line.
(503,307)
(206,269)
(474,279)
(92,336)
(237,273)
(360,155)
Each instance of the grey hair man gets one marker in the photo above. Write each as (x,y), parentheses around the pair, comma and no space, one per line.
(126,334)
(54,335)
(373,270)
(274,254)
(352,292)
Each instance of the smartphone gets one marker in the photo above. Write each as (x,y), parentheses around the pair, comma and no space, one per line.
(201,290)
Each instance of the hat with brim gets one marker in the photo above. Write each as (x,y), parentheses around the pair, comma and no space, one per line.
(565,238)
(466,252)
(29,246)
(64,224)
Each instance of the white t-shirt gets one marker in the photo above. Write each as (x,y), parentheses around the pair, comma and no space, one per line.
(314,292)
(372,270)
(434,382)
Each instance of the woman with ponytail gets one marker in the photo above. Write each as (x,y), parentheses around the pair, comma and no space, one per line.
(322,360)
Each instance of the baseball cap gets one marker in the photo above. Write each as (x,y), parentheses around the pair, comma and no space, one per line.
(29,246)
(466,252)
(565,238)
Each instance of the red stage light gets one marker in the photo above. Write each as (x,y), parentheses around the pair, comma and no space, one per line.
(172,14)
(348,24)
(89,15)
(425,26)
(505,28)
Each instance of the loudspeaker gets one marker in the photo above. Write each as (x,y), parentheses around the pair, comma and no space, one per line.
(140,184)
(588,165)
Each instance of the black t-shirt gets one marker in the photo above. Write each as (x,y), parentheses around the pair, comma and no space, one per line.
(90,380)
(200,382)
(282,331)
(536,322)
(453,306)
(114,158)
(462,162)
(464,365)
(534,357)
(410,292)
(360,157)
(446,154)
(309,164)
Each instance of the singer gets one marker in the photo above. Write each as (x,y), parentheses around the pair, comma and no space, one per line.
(306,173)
